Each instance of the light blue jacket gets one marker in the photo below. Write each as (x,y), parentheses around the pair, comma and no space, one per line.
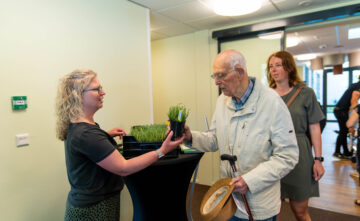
(262,136)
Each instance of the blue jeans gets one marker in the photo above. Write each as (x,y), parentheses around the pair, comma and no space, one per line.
(234,218)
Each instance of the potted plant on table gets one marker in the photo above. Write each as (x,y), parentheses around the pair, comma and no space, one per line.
(149,133)
(145,138)
(177,116)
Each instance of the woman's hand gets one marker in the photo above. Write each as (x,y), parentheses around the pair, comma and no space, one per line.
(318,170)
(240,185)
(169,145)
(117,131)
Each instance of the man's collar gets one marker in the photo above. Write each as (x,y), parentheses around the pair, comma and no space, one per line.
(245,96)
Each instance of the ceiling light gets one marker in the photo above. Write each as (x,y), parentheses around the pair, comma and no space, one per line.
(304,57)
(271,35)
(316,37)
(236,7)
(323,46)
(305,3)
(333,59)
(291,42)
(354,33)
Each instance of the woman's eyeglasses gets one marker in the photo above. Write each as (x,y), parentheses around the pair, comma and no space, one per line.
(98,89)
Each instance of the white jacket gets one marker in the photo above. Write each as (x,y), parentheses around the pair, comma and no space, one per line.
(262,136)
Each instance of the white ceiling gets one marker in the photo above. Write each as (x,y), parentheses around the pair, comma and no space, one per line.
(330,39)
(170,18)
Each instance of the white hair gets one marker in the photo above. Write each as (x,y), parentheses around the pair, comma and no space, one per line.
(236,58)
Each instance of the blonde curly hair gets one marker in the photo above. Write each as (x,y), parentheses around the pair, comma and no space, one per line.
(69,99)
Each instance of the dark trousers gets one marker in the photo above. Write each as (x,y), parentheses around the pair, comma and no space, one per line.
(358,154)
(342,116)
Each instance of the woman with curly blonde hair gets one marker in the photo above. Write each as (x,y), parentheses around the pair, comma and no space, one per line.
(94,165)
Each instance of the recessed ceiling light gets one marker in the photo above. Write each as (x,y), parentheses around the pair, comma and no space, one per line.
(304,57)
(305,3)
(292,42)
(236,7)
(354,33)
(271,35)
(316,37)
(323,46)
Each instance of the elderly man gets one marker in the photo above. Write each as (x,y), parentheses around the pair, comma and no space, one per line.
(252,122)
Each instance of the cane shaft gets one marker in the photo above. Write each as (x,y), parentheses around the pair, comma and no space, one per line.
(243,196)
(247,207)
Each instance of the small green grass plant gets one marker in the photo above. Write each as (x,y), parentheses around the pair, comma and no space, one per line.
(149,133)
(178,113)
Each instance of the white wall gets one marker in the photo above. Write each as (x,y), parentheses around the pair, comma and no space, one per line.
(40,41)
(181,69)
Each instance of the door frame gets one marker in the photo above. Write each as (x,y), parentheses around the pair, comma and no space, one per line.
(325,74)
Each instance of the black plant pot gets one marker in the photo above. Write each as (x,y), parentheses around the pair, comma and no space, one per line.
(133,148)
(177,128)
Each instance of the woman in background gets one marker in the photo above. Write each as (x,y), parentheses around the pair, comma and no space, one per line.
(94,165)
(302,182)
(353,119)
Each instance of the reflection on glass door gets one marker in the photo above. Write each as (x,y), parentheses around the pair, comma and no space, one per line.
(355,76)
(336,86)
(315,80)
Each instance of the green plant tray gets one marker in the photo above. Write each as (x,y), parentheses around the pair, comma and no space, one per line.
(133,148)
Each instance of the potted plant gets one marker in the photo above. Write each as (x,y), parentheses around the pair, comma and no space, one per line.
(177,115)
(149,133)
(145,138)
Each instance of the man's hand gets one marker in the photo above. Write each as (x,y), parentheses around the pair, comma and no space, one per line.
(117,131)
(240,185)
(188,135)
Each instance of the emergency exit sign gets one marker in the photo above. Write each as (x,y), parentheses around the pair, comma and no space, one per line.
(19,102)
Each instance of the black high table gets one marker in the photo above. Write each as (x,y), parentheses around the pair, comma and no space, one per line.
(159,192)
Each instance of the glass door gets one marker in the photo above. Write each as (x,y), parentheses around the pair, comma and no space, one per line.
(355,74)
(256,50)
(336,86)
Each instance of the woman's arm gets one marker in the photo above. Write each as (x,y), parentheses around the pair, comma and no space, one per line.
(117,164)
(315,134)
(354,99)
(353,119)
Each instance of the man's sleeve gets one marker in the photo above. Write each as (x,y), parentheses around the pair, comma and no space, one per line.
(285,153)
(205,141)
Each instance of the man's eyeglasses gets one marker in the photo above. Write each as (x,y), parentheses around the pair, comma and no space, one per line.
(98,89)
(220,76)
(276,65)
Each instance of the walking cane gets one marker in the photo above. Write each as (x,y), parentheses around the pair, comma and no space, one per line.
(232,159)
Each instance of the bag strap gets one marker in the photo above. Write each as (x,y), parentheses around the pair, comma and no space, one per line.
(294,96)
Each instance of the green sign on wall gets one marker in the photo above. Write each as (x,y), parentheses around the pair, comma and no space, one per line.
(19,102)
